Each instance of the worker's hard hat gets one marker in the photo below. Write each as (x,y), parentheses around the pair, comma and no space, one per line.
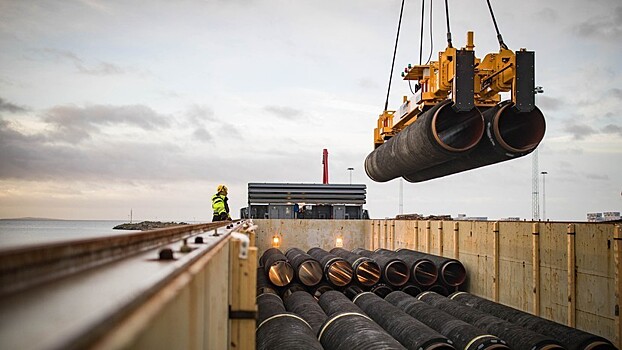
(222,188)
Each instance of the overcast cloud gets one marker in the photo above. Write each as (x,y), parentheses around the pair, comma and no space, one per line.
(118,105)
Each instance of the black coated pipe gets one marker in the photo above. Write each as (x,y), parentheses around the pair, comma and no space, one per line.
(268,305)
(423,272)
(509,135)
(337,271)
(381,290)
(304,305)
(366,270)
(440,289)
(411,289)
(320,289)
(308,271)
(276,267)
(291,289)
(348,328)
(334,302)
(353,291)
(570,338)
(451,271)
(263,285)
(394,271)
(518,338)
(437,136)
(465,336)
(279,329)
(410,332)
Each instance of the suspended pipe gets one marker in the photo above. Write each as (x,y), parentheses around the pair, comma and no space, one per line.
(451,271)
(423,272)
(394,271)
(308,271)
(337,271)
(279,329)
(509,135)
(304,305)
(276,267)
(263,285)
(411,333)
(366,270)
(437,136)
(465,336)
(570,338)
(348,328)
(518,338)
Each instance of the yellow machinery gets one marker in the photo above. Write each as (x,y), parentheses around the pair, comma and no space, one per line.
(456,120)
(496,73)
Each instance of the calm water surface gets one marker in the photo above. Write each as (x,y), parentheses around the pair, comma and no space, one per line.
(20,233)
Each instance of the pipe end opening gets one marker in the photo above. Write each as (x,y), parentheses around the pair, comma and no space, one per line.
(281,273)
(425,273)
(340,273)
(310,273)
(453,273)
(397,273)
(368,273)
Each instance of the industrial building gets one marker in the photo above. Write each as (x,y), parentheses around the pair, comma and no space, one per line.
(305,201)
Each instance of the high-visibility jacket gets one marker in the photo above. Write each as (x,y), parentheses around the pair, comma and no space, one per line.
(219,204)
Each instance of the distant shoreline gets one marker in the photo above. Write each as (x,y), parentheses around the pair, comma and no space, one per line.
(33,219)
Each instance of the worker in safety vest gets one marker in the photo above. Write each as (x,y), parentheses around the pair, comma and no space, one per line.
(220,205)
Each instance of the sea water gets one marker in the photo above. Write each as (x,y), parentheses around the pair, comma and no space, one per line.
(21,233)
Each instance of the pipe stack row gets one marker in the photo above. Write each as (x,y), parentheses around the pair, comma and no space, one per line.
(381,271)
(443,141)
(352,314)
(401,321)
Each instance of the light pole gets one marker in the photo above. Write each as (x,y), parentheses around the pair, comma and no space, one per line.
(350,170)
(543,195)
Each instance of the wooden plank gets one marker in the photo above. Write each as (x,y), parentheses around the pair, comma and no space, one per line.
(243,285)
(456,240)
(495,259)
(535,239)
(392,237)
(572,282)
(440,237)
(428,237)
(415,244)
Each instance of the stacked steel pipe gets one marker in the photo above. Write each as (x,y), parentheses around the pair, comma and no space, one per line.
(276,267)
(279,329)
(518,338)
(464,335)
(366,270)
(349,328)
(307,313)
(337,271)
(423,272)
(394,272)
(303,304)
(308,271)
(410,332)
(570,338)
(451,272)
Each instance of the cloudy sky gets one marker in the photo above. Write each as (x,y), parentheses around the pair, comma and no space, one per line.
(112,106)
